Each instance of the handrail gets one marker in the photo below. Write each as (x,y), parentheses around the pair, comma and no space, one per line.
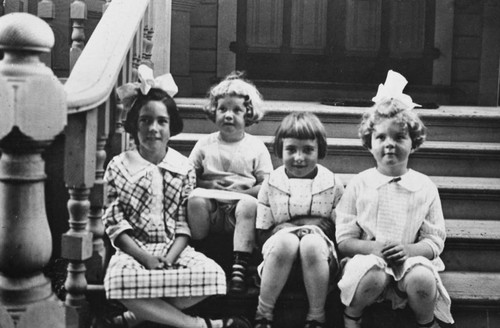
(97,69)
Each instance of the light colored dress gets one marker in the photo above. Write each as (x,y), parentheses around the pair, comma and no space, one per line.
(242,164)
(375,207)
(281,199)
(149,203)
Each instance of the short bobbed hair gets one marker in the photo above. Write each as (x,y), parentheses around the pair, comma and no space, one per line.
(235,85)
(301,125)
(132,121)
(392,109)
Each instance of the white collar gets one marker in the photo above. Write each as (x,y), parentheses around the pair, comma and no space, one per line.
(136,166)
(324,180)
(411,180)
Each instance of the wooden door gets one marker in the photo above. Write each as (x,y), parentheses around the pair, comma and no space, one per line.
(344,41)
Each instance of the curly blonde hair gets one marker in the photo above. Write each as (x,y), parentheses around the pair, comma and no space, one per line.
(392,109)
(235,85)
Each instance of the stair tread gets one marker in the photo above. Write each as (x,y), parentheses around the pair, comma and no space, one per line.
(285,107)
(354,142)
(477,287)
(485,230)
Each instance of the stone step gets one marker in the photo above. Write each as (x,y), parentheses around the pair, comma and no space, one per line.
(472,245)
(475,296)
(441,158)
(447,123)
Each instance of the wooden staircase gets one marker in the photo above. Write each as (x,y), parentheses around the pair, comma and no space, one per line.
(461,155)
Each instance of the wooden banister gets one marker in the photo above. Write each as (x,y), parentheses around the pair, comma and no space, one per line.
(95,73)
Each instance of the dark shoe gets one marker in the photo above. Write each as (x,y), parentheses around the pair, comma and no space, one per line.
(118,321)
(237,286)
(236,322)
(263,323)
(314,324)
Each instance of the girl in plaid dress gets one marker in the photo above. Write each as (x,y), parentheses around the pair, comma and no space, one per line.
(390,224)
(154,272)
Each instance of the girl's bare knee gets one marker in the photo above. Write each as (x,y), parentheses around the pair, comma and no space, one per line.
(286,247)
(313,249)
(420,283)
(246,209)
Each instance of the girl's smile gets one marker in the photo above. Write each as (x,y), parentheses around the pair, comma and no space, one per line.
(391,146)
(300,157)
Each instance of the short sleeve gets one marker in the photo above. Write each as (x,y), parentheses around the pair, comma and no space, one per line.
(346,215)
(196,157)
(264,220)
(433,229)
(114,217)
(263,163)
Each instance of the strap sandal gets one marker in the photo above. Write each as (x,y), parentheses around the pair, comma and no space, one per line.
(236,322)
(263,323)
(352,322)
(314,324)
(118,321)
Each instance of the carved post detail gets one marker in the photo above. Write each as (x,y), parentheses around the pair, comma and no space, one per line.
(33,111)
(78,14)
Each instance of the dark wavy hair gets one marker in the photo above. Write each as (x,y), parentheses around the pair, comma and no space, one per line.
(392,109)
(175,121)
(301,125)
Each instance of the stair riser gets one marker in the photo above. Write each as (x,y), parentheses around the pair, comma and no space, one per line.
(346,126)
(471,257)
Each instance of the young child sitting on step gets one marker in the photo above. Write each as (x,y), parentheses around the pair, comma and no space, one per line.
(295,219)
(390,226)
(230,160)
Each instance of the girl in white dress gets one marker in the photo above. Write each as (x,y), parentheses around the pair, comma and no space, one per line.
(390,225)
(295,219)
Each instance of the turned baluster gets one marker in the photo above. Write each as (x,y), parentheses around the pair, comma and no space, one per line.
(33,111)
(78,14)
(95,270)
(46,11)
(79,175)
(147,43)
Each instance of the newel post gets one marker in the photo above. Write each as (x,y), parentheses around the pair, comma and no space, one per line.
(33,113)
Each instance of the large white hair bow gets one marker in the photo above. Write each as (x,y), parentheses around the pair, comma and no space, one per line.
(128,92)
(393,89)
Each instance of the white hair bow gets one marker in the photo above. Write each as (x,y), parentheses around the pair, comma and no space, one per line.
(128,92)
(393,89)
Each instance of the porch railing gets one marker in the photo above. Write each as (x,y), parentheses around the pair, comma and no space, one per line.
(35,108)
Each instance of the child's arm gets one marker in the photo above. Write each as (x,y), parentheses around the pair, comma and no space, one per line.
(182,230)
(129,246)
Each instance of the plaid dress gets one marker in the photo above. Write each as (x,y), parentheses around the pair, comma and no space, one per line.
(149,202)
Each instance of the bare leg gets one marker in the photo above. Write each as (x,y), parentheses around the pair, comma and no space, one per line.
(420,285)
(244,230)
(316,273)
(277,266)
(199,210)
(369,289)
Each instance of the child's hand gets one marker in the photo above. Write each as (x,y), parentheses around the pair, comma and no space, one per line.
(155,262)
(395,253)
(220,184)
